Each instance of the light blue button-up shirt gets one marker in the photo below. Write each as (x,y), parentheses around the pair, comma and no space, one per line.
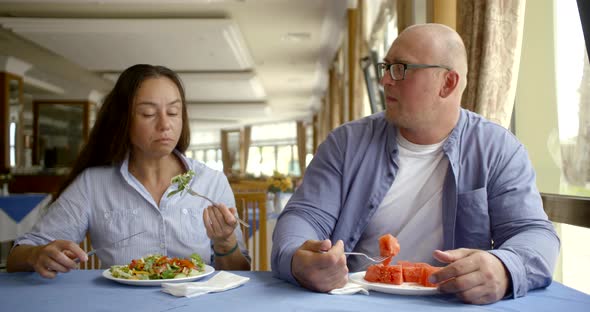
(490,200)
(112,204)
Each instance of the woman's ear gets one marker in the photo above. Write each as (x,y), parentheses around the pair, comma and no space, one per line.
(450,83)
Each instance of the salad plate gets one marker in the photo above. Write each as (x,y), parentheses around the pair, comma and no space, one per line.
(407,289)
(157,282)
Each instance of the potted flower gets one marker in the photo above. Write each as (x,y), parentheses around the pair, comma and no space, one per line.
(278,183)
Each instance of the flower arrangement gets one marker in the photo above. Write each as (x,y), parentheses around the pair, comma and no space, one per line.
(5,178)
(279,182)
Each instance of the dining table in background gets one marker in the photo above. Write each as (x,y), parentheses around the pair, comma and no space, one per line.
(88,290)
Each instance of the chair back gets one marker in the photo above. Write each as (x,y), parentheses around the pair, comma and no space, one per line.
(93,262)
(251,208)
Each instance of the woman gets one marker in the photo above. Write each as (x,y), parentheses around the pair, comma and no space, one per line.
(119,185)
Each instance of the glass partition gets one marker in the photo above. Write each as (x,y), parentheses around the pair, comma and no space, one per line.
(60,131)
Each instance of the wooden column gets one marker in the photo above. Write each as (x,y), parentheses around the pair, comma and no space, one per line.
(352,65)
(443,12)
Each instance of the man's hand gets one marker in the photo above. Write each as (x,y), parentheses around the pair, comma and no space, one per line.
(475,276)
(317,271)
(57,256)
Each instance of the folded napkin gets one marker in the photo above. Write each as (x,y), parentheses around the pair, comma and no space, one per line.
(349,289)
(222,281)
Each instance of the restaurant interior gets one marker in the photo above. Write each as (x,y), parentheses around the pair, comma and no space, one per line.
(267,80)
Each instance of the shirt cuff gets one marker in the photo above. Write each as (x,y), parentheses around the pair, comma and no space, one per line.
(518,285)
(285,258)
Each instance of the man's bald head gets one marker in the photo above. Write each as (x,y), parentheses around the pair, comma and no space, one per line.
(443,44)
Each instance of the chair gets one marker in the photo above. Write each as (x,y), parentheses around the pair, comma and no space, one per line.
(249,186)
(252,209)
(93,262)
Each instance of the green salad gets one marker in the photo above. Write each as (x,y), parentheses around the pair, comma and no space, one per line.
(155,267)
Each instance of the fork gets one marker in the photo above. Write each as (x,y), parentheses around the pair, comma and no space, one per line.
(377,259)
(242,222)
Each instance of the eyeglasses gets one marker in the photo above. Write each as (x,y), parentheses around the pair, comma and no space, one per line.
(397,71)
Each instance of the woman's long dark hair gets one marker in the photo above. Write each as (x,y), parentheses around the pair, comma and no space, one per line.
(109,140)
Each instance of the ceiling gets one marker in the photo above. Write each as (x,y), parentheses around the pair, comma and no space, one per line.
(241,61)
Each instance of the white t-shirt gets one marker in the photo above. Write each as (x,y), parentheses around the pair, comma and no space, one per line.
(412,208)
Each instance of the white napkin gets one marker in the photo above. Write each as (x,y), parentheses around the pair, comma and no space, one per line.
(222,281)
(349,289)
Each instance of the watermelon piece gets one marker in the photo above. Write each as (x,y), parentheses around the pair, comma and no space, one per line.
(395,275)
(425,274)
(373,273)
(388,247)
(412,274)
(379,273)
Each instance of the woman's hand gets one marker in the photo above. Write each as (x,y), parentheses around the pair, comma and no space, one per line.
(57,256)
(220,223)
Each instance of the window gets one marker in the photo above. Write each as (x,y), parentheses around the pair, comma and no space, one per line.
(549,110)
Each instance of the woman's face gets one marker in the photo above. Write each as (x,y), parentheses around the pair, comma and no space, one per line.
(156,121)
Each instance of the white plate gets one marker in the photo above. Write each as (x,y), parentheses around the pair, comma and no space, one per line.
(408,289)
(107,274)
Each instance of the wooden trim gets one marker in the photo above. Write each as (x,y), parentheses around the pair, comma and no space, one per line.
(316,133)
(352,61)
(443,12)
(5,78)
(225,153)
(574,210)
(301,145)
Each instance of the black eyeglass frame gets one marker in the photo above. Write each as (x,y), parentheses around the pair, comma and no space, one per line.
(387,67)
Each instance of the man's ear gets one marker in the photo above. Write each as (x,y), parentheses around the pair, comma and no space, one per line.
(450,83)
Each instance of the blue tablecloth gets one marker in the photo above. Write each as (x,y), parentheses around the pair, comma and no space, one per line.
(17,206)
(89,291)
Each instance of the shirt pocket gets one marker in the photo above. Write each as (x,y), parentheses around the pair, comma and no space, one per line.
(473,220)
(193,229)
(115,225)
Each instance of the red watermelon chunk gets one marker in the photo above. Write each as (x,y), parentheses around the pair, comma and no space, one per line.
(388,247)
(425,273)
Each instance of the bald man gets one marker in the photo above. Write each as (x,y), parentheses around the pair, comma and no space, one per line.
(456,190)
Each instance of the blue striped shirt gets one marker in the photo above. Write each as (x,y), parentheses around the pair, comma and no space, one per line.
(111,204)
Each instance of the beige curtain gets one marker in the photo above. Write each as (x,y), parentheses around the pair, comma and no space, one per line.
(492,31)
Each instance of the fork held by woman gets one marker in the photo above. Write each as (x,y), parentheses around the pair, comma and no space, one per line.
(242,222)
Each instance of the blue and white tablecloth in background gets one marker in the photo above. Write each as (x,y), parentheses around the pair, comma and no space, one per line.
(19,212)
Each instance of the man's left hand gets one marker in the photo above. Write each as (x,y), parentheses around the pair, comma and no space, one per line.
(474,275)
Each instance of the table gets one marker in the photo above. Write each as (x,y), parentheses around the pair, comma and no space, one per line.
(19,212)
(88,291)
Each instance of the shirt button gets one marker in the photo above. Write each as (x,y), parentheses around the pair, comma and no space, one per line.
(106,215)
(162,245)
(184,211)
(134,211)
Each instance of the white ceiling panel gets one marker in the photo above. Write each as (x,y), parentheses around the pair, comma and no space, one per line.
(228,111)
(114,44)
(218,87)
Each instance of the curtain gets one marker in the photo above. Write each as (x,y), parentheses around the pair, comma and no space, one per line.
(492,32)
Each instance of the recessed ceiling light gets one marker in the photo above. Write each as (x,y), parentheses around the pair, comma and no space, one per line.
(297,36)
